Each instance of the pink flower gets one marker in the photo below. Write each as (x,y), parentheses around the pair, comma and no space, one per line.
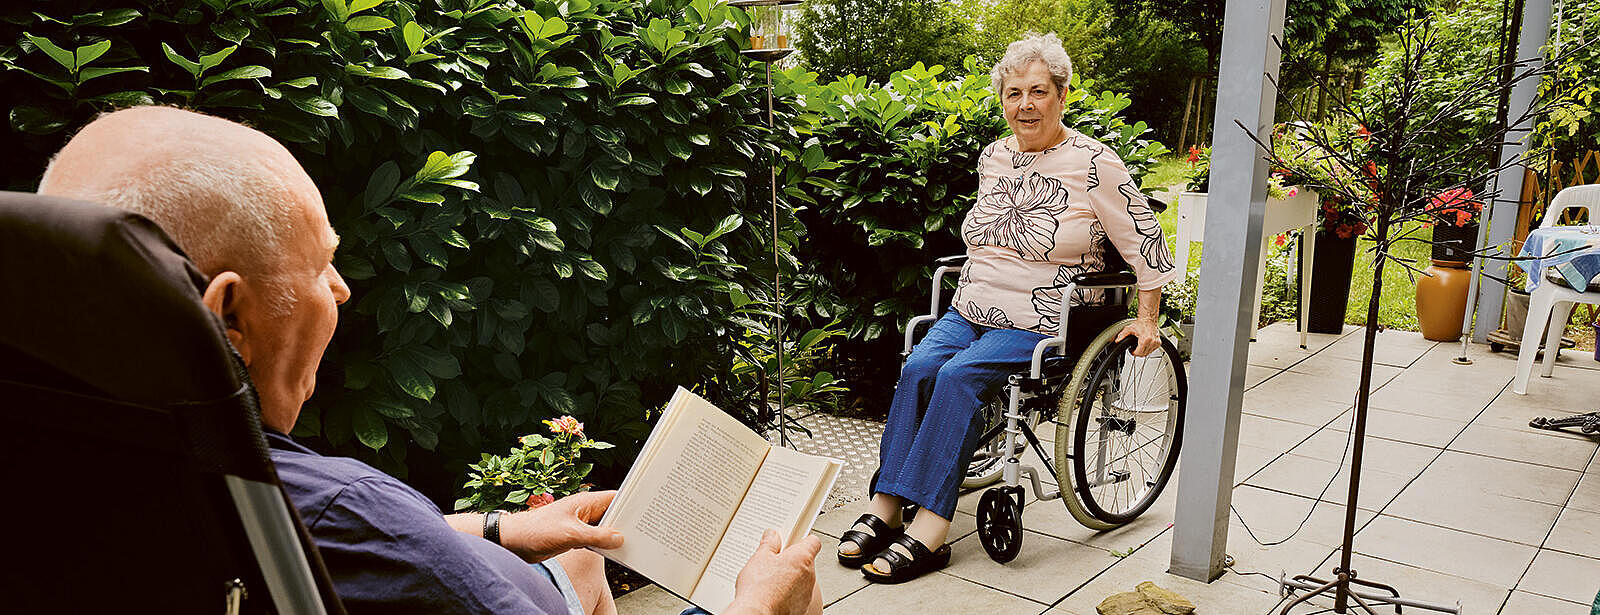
(1292,191)
(566,425)
(540,499)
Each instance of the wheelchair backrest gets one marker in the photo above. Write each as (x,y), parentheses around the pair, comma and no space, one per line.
(132,445)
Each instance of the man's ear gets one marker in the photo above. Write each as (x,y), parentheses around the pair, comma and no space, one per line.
(222,298)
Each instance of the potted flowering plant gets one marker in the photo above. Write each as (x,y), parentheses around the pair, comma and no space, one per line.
(534,473)
(1454,217)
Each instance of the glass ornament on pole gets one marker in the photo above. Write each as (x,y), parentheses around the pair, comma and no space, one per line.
(771,25)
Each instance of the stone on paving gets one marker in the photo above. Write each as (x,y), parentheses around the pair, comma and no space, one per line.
(1147,599)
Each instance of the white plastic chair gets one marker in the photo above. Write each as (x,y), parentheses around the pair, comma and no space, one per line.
(1552,302)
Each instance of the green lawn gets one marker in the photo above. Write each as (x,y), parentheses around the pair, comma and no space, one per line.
(1397,308)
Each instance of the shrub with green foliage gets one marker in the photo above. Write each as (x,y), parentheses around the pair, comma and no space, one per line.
(512,181)
(897,168)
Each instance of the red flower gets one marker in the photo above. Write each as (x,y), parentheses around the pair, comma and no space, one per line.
(540,499)
(1371,169)
(1194,154)
(1280,240)
(1361,131)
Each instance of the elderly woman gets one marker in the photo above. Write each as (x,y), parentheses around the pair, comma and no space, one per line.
(1047,198)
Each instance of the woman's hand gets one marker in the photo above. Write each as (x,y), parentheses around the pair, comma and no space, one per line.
(1144,327)
(1147,332)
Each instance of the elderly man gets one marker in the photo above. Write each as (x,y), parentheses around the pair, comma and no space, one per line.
(248,215)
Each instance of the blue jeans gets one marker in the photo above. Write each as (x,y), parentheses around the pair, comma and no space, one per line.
(932,431)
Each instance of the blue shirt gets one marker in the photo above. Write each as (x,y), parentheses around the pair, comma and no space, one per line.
(389,548)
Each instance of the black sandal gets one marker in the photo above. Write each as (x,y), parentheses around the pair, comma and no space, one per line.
(868,545)
(901,568)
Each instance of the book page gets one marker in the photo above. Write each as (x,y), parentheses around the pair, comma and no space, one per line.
(786,496)
(677,499)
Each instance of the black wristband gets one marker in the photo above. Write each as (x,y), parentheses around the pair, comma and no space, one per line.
(491,526)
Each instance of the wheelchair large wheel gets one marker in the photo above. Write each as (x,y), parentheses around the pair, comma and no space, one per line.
(1120,429)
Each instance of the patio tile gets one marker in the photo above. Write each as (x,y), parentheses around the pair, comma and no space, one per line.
(1462,405)
(934,594)
(1391,347)
(1150,564)
(1496,562)
(1405,427)
(1508,412)
(1562,575)
(1449,504)
(1576,532)
(1344,371)
(968,502)
(1335,445)
(1052,519)
(1046,569)
(835,580)
(1587,496)
(1309,477)
(650,599)
(1420,583)
(1254,374)
(1469,472)
(1300,386)
(1537,447)
(1271,433)
(1275,356)
(1569,391)
(1524,602)
(1274,515)
(1249,460)
(1305,410)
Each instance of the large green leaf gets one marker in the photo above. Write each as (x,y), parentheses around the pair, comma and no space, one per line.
(410,376)
(369,428)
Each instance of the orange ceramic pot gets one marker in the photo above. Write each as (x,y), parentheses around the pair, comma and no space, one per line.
(1442,300)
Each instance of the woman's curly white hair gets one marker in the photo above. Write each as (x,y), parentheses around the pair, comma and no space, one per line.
(1034,46)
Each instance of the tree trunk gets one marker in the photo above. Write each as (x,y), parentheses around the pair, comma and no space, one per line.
(1188,105)
(1322,89)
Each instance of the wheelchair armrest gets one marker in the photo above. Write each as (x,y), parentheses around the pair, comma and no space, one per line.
(1106,279)
(950,260)
(1157,205)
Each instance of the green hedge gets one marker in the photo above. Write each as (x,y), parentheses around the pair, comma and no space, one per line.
(510,179)
(551,207)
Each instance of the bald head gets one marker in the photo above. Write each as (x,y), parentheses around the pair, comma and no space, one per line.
(224,191)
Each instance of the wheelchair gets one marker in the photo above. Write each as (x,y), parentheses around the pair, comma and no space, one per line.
(1118,418)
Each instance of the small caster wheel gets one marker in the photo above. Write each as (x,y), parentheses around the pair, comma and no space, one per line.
(1496,346)
(1000,522)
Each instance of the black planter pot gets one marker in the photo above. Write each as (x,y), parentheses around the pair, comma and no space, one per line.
(1330,282)
(1454,243)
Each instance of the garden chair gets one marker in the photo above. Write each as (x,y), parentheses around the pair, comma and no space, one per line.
(136,472)
(1118,418)
(1552,301)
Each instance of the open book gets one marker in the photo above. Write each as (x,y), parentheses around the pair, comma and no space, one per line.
(693,507)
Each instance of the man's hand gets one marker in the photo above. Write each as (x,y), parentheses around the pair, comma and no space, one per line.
(560,526)
(778,582)
(1147,332)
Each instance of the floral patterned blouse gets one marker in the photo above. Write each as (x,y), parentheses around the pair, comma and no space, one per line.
(1040,219)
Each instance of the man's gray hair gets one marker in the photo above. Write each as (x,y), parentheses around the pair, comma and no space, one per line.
(1033,46)
(220,209)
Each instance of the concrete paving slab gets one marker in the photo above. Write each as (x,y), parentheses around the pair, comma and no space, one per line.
(1305,410)
(650,600)
(934,594)
(1476,511)
(1496,562)
(1562,575)
(1576,532)
(1379,454)
(1405,427)
(1522,602)
(1312,478)
(1150,564)
(1046,569)
(1469,472)
(1390,347)
(1274,516)
(1417,583)
(1530,446)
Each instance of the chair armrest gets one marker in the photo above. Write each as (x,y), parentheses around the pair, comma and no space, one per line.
(911,332)
(1105,279)
(950,260)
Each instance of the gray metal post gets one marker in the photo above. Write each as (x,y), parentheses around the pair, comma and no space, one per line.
(1503,213)
(1232,251)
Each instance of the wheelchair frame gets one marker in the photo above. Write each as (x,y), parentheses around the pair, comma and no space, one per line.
(999,512)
